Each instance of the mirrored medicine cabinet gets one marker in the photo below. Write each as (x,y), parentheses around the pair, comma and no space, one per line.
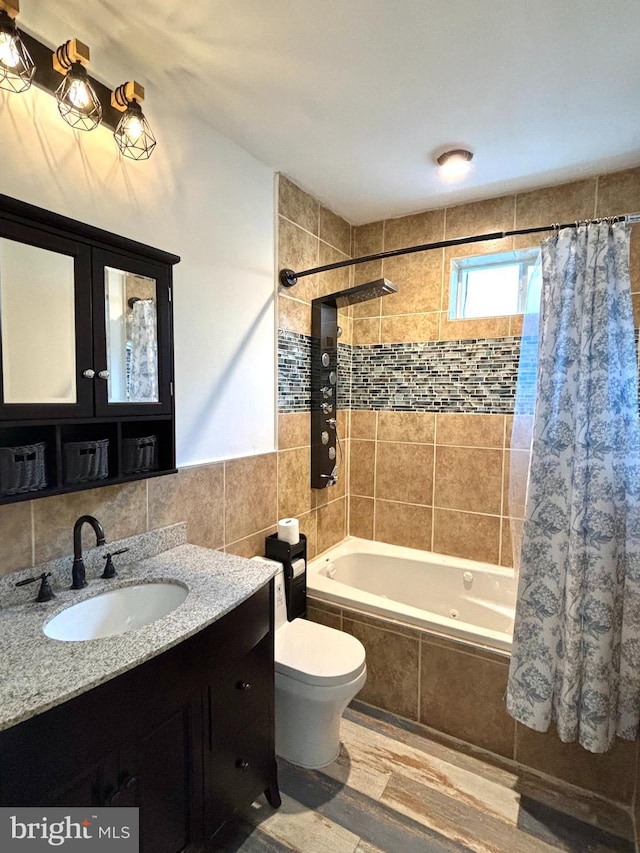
(86,356)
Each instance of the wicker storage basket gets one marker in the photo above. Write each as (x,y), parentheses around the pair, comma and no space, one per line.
(22,469)
(86,460)
(139,454)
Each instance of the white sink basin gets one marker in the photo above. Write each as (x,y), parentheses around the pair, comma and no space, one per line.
(116,612)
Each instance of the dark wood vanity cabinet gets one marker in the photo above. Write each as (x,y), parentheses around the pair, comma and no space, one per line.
(187,737)
(86,356)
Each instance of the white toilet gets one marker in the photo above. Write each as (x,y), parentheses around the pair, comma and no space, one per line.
(318,671)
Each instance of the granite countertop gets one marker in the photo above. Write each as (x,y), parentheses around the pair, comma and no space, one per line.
(37,673)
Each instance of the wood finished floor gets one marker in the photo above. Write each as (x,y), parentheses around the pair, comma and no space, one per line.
(393,790)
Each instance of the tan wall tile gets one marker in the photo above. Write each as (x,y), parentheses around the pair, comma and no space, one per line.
(194,495)
(335,230)
(368,239)
(414,230)
(404,472)
(361,517)
(414,427)
(297,205)
(298,250)
(293,315)
(362,467)
(333,280)
(324,617)
(403,524)
(462,695)
(392,669)
(331,524)
(419,282)
(610,774)
(463,534)
(363,424)
(294,476)
(486,327)
(506,548)
(122,511)
(562,203)
(409,328)
(480,217)
(618,193)
(468,479)
(251,546)
(366,331)
(308,526)
(294,430)
(470,430)
(250,495)
(15,535)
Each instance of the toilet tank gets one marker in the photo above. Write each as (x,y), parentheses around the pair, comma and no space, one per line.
(279,598)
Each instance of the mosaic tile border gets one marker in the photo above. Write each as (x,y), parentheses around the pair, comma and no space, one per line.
(433,376)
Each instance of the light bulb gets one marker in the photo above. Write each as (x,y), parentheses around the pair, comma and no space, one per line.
(9,55)
(133,128)
(78,103)
(133,134)
(78,94)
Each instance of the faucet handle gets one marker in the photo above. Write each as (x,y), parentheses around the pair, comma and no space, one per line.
(45,593)
(110,569)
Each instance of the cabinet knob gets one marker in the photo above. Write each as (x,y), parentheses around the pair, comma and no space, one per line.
(103,374)
(243,685)
(88,373)
(242,765)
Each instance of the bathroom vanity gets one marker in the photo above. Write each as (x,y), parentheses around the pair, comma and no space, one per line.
(185,732)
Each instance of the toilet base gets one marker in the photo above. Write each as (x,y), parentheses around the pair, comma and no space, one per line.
(308,720)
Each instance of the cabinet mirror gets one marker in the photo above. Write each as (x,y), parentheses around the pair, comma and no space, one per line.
(38,324)
(132,337)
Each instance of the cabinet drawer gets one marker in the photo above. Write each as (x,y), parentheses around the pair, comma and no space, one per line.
(239,771)
(241,693)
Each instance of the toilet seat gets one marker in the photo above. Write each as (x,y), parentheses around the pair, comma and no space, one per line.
(317,654)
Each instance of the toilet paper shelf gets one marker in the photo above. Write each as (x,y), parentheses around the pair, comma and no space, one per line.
(295,580)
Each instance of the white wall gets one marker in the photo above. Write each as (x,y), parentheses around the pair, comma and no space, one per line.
(200,196)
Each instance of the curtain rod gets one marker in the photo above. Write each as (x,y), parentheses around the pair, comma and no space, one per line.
(288,277)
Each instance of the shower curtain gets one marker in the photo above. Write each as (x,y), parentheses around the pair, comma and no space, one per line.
(576,646)
(142,367)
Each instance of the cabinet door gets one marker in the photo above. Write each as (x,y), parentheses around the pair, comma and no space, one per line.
(45,327)
(132,335)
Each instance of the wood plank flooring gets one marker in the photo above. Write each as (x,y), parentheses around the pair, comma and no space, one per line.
(393,790)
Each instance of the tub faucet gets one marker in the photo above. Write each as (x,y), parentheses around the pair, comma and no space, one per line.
(78,571)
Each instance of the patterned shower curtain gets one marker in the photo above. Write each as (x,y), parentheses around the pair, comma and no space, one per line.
(576,646)
(142,368)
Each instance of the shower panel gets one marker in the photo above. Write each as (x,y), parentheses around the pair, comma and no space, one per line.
(326,454)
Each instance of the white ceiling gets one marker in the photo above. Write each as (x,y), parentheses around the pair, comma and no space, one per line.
(353,98)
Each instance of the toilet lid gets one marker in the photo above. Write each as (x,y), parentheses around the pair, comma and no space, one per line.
(317,654)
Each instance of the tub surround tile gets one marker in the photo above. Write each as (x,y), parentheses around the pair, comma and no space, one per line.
(332,280)
(562,203)
(16,537)
(361,512)
(465,534)
(404,472)
(122,511)
(297,205)
(407,328)
(251,546)
(468,479)
(250,495)
(381,623)
(470,430)
(480,217)
(298,250)
(414,229)
(618,193)
(412,427)
(294,473)
(363,424)
(194,495)
(366,330)
(403,524)
(324,617)
(419,282)
(331,524)
(335,230)
(483,328)
(474,687)
(368,239)
(392,668)
(363,460)
(294,430)
(294,315)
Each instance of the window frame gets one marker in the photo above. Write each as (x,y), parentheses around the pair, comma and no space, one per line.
(462,266)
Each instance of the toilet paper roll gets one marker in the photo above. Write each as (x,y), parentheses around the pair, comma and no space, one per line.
(298,567)
(289,530)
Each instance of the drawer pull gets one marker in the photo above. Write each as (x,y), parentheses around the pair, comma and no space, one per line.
(242,765)
(243,685)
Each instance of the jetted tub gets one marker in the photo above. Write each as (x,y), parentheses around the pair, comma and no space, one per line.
(463,599)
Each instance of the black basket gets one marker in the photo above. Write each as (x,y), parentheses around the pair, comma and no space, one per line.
(86,460)
(139,454)
(22,469)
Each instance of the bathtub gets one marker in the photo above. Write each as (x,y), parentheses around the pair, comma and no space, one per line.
(461,599)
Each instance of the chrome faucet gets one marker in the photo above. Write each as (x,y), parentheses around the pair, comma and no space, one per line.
(78,571)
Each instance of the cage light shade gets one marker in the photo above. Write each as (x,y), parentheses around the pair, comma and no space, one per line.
(78,103)
(133,134)
(16,65)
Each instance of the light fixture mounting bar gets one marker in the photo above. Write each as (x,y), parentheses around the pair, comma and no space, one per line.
(11,7)
(48,79)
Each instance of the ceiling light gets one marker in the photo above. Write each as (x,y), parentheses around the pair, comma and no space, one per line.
(78,103)
(133,134)
(455,163)
(16,66)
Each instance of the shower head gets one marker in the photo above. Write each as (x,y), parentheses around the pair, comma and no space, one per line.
(359,293)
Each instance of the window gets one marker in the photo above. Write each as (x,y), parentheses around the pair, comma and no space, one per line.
(490,285)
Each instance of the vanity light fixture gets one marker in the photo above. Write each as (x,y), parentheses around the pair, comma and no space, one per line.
(133,135)
(455,163)
(16,65)
(78,103)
